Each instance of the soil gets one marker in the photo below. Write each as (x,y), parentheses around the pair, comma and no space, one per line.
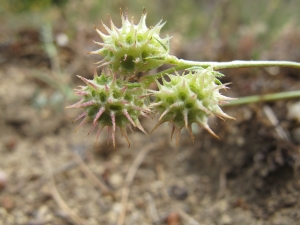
(51,175)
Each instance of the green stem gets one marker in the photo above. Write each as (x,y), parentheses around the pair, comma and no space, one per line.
(264,98)
(182,64)
(240,64)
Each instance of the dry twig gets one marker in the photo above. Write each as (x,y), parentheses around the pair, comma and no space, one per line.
(274,121)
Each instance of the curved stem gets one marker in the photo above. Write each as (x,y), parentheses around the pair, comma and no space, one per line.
(264,98)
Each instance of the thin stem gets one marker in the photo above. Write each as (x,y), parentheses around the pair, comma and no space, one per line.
(240,64)
(182,64)
(264,98)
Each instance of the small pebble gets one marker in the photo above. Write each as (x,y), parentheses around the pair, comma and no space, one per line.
(7,203)
(225,219)
(62,39)
(294,111)
(173,219)
(116,180)
(180,193)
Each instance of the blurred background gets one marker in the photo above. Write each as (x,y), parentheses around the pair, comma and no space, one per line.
(248,177)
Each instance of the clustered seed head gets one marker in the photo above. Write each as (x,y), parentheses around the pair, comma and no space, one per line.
(111,102)
(189,98)
(132,48)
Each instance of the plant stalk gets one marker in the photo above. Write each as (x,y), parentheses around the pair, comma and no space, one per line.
(264,98)
(240,64)
(181,64)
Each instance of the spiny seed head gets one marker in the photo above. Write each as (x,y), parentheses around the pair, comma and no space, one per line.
(111,102)
(190,98)
(132,48)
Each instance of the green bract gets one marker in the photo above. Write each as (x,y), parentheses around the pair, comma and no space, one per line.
(111,102)
(189,98)
(132,48)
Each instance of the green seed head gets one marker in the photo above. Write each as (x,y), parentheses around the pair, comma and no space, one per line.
(132,48)
(111,102)
(189,99)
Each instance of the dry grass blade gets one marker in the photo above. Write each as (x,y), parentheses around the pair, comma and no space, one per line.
(190,220)
(129,178)
(153,214)
(55,194)
(90,175)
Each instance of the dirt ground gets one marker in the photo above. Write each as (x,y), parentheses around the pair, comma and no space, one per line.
(51,175)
